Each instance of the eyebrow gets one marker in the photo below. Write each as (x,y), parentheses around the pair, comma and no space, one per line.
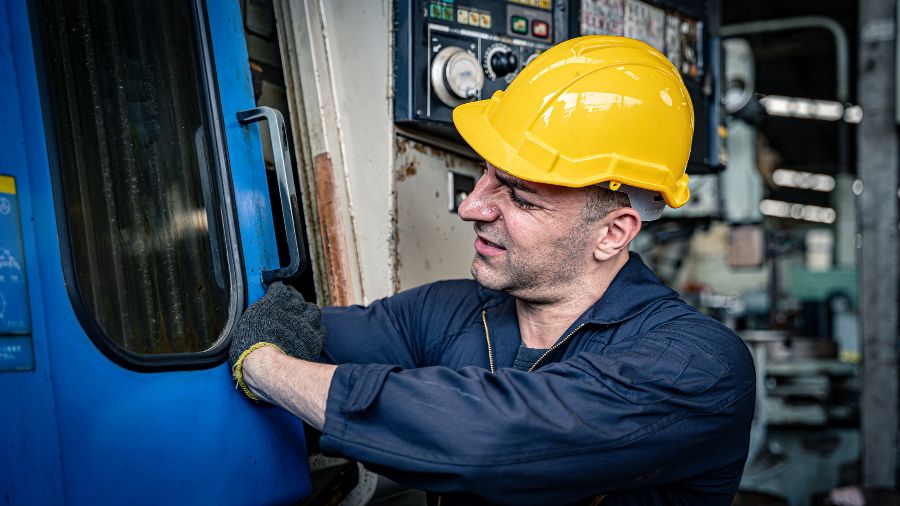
(516,183)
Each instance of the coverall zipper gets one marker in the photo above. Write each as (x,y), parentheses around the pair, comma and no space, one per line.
(490,348)
(555,346)
(487,336)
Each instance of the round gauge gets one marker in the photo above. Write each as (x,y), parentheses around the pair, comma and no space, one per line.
(456,76)
(464,75)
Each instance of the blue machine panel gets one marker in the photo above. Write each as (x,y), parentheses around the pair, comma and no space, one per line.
(83,429)
(16,352)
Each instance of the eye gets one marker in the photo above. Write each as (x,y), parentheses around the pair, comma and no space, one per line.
(519,202)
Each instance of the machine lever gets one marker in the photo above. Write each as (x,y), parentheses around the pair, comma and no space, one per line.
(286,190)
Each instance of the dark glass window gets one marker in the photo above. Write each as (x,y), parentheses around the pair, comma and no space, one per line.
(142,198)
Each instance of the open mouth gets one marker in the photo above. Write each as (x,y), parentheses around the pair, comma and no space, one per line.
(491,244)
(487,248)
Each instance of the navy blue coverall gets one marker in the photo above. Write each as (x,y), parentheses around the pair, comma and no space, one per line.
(643,399)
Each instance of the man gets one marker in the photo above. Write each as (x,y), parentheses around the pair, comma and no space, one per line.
(565,373)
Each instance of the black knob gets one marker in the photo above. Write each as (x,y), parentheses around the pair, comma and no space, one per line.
(504,62)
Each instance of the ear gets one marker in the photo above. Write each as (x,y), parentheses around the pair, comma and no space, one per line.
(619,228)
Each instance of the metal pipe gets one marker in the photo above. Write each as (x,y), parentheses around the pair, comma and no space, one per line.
(842,50)
(878,156)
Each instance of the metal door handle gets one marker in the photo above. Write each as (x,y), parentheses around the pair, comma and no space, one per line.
(286,189)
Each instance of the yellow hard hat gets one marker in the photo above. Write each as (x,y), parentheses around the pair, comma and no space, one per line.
(589,110)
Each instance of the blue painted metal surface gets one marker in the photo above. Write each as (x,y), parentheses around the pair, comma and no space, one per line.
(30,467)
(80,429)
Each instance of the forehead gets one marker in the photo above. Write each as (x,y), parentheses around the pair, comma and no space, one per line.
(541,189)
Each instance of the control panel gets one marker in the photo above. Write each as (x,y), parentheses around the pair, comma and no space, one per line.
(448,52)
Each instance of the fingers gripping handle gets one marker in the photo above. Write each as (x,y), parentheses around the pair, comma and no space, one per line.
(286,188)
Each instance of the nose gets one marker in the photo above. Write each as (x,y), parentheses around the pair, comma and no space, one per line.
(480,205)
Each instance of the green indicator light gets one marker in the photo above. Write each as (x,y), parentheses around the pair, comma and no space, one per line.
(518,24)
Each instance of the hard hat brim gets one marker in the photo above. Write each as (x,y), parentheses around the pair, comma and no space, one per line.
(473,125)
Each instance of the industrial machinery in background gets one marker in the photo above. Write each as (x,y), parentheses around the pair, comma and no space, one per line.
(448,52)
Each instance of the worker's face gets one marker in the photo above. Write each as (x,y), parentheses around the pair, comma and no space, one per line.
(531,238)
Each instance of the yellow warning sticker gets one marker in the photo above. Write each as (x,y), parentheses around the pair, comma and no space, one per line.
(8,185)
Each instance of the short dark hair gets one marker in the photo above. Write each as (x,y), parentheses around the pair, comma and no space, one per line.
(602,201)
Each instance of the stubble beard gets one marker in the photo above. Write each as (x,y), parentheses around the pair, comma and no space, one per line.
(538,276)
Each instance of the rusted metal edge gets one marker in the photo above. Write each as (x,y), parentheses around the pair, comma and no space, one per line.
(334,247)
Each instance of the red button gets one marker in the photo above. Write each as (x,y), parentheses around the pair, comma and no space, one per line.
(540,29)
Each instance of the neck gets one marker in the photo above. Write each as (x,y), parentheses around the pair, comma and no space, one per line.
(542,324)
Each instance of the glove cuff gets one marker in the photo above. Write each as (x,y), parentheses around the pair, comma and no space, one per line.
(237,372)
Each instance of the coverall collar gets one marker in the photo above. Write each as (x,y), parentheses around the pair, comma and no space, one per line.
(632,291)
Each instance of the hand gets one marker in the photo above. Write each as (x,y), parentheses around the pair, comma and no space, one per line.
(282,319)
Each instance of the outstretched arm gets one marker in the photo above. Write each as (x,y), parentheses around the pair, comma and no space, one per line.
(593,424)
(296,385)
(664,406)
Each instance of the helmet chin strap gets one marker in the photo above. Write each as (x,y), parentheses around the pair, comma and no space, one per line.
(649,204)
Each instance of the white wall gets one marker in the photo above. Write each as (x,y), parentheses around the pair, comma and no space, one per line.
(338,59)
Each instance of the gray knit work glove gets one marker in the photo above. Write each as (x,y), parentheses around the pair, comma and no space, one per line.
(281,318)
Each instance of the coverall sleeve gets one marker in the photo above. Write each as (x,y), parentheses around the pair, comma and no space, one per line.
(652,410)
(390,330)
